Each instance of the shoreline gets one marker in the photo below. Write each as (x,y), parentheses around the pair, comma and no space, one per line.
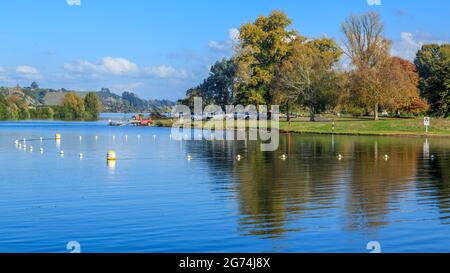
(396,126)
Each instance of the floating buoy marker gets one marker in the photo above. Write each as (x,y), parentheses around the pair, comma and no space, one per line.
(111,155)
(283,157)
(340,157)
(386,157)
(238,157)
(189,157)
(58,136)
(40,139)
(96,138)
(41,150)
(61,153)
(81,138)
(81,155)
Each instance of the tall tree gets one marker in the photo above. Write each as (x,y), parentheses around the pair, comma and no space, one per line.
(218,88)
(433,64)
(264,44)
(368,50)
(73,106)
(404,81)
(92,105)
(308,77)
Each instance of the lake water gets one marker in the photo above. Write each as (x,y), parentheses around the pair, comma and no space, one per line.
(155,200)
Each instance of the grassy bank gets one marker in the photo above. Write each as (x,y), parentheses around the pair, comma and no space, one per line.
(361,126)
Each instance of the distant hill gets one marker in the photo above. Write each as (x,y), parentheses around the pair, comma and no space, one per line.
(128,102)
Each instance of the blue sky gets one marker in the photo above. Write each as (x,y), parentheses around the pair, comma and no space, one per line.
(158,49)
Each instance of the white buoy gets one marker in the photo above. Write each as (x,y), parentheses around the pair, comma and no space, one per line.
(386,157)
(24,146)
(126,137)
(24,140)
(340,157)
(238,157)
(61,153)
(41,139)
(81,138)
(154,136)
(81,155)
(189,157)
(41,150)
(96,138)
(20,146)
(283,157)
(114,137)
(31,148)
(16,142)
(139,136)
(170,136)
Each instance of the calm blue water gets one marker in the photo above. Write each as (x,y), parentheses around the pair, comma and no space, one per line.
(154,200)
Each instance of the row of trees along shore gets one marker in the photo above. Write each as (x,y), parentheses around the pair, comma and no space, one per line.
(275,64)
(73,107)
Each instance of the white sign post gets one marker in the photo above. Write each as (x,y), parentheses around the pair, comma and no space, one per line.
(426,122)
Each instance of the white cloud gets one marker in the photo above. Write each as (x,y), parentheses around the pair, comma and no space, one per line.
(107,65)
(229,44)
(28,72)
(233,35)
(122,67)
(373,2)
(408,45)
(73,2)
(165,71)
(218,46)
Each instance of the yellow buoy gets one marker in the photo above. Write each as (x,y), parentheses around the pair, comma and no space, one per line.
(111,155)
(58,136)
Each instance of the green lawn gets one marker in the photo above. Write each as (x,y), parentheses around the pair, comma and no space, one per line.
(361,126)
(366,126)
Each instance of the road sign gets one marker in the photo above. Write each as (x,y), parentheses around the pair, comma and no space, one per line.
(426,122)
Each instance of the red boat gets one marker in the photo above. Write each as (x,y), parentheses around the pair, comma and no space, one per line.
(140,120)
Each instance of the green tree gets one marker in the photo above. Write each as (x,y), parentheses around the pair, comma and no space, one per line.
(73,107)
(264,44)
(92,105)
(218,88)
(3,108)
(34,85)
(433,64)
(308,77)
(368,50)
